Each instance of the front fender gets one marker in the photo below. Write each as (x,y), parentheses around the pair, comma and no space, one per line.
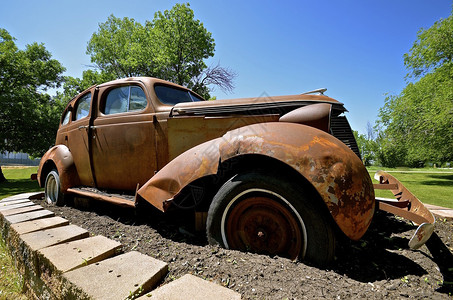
(195,163)
(330,166)
(60,157)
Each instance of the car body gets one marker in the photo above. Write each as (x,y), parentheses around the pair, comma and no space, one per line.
(274,175)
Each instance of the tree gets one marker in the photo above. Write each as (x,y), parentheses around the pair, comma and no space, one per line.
(432,49)
(182,43)
(28,116)
(73,86)
(367,145)
(121,47)
(419,121)
(173,46)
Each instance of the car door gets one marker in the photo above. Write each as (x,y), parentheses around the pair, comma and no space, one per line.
(123,138)
(76,137)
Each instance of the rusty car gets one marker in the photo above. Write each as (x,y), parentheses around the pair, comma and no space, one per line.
(274,175)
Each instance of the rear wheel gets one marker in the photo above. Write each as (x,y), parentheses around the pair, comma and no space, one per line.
(52,189)
(262,213)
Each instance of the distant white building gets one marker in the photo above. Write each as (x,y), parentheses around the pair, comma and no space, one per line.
(14,158)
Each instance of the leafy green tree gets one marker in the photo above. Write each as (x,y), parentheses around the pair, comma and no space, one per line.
(73,86)
(121,47)
(367,146)
(182,43)
(418,123)
(173,46)
(388,151)
(432,49)
(28,116)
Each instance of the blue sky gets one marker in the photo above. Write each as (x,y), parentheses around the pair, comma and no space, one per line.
(353,48)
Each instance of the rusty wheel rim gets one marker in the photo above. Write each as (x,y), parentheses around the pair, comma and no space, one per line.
(51,190)
(263,222)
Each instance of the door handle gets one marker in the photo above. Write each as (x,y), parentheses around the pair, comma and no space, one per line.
(83,127)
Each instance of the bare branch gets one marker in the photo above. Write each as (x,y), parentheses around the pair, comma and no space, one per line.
(218,76)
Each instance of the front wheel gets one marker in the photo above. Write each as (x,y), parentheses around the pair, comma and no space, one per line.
(262,213)
(52,189)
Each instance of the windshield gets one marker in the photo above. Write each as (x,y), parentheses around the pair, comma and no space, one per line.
(171,96)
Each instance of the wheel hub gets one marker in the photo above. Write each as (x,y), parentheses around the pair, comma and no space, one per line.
(264,225)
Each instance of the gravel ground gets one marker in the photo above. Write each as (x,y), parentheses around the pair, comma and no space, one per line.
(378,266)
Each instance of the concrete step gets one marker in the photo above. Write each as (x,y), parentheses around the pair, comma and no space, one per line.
(440,212)
(30,216)
(191,287)
(7,221)
(72,255)
(15,204)
(27,196)
(21,210)
(13,201)
(37,225)
(119,277)
(49,237)
(443,214)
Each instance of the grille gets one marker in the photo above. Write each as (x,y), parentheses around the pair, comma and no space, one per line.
(340,128)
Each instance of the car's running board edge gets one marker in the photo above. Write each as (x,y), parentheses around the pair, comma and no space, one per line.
(102,197)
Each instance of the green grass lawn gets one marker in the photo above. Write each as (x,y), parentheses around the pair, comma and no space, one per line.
(432,186)
(18,181)
(11,285)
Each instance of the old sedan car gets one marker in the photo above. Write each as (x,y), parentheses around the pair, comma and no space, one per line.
(274,175)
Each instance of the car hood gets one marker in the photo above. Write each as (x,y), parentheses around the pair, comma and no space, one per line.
(259,105)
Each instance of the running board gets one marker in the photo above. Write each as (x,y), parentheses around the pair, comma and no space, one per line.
(97,195)
(405,205)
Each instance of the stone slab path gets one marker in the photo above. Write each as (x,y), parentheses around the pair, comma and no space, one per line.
(60,261)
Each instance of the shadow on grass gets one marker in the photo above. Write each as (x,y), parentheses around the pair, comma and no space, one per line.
(18,186)
(440,180)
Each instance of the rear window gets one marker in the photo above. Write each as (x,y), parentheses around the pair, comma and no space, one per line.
(171,96)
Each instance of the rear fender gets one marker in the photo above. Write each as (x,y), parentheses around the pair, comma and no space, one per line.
(60,157)
(331,167)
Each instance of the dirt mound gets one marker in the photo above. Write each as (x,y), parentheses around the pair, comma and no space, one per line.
(379,265)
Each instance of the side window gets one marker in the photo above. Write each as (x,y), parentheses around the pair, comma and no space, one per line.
(137,99)
(171,96)
(83,107)
(124,99)
(66,117)
(117,101)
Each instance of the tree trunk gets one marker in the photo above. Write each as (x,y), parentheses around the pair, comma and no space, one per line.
(2,177)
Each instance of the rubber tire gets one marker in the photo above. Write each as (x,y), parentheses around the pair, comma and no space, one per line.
(320,244)
(52,189)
